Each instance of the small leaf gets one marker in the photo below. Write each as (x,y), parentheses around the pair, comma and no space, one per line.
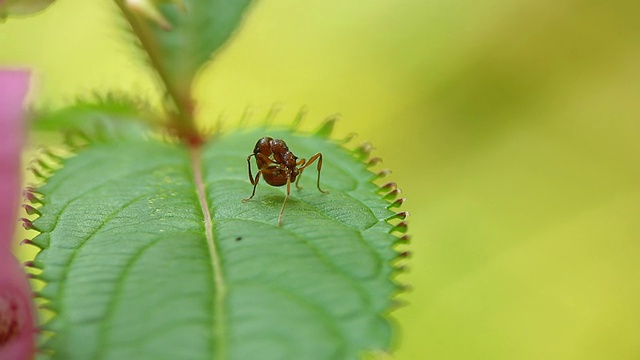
(150,254)
(107,117)
(182,36)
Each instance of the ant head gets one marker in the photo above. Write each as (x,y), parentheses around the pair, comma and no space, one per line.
(289,160)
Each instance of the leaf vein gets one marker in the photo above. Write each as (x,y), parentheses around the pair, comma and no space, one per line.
(116,294)
(219,319)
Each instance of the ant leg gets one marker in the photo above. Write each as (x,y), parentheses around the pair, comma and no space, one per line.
(285,201)
(249,166)
(255,184)
(263,162)
(300,162)
(315,157)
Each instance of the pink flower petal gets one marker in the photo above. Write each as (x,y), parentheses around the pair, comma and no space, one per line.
(17,330)
(16,305)
(13,89)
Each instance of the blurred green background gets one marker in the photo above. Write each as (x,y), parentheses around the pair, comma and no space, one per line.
(512,128)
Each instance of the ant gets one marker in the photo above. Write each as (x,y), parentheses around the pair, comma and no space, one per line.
(279,166)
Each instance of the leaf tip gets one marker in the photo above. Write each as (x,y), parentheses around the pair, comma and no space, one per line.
(271,115)
(246,116)
(374,161)
(49,307)
(381,174)
(327,127)
(28,224)
(403,240)
(397,203)
(147,9)
(26,242)
(400,227)
(392,195)
(399,215)
(302,113)
(37,172)
(391,185)
(348,138)
(30,210)
(363,151)
(32,264)
(75,140)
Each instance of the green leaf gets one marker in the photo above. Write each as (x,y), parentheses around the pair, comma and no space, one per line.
(194,31)
(111,116)
(149,253)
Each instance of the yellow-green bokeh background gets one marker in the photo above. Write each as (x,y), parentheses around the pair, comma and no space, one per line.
(512,128)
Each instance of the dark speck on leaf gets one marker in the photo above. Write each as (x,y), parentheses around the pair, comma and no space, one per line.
(239,238)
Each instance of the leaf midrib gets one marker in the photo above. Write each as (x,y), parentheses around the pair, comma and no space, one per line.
(219,319)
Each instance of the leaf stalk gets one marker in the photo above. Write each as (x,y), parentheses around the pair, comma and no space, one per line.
(181,118)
